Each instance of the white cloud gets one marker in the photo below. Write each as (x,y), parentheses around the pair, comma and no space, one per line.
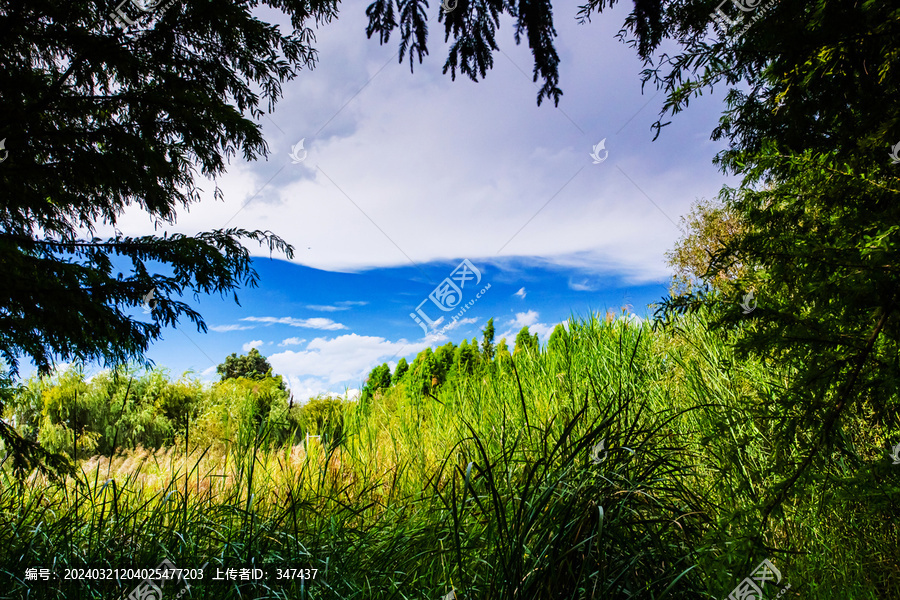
(313,323)
(529,191)
(304,388)
(524,318)
(520,293)
(225,328)
(254,344)
(344,358)
(342,305)
(292,341)
(582,286)
(542,330)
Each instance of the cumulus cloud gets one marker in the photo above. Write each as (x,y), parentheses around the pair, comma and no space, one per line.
(524,318)
(343,358)
(313,323)
(291,341)
(254,344)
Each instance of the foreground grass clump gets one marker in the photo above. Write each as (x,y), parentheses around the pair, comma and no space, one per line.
(618,462)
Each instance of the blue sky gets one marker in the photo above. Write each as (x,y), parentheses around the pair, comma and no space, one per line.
(403,176)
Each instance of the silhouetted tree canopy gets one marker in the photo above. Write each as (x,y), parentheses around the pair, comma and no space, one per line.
(97,118)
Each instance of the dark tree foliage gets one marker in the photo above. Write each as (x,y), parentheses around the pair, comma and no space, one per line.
(473,26)
(97,118)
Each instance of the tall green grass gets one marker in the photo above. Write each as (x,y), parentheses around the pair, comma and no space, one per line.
(493,487)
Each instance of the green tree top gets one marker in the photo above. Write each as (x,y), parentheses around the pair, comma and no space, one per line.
(709,227)
(525,342)
(487,344)
(379,379)
(252,365)
(400,370)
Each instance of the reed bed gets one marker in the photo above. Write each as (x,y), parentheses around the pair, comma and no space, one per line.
(621,463)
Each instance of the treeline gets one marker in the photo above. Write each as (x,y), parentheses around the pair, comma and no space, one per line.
(433,368)
(123,409)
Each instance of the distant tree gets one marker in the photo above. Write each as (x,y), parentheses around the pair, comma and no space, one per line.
(444,358)
(487,344)
(525,342)
(466,358)
(709,227)
(379,379)
(400,370)
(252,365)
(425,371)
(504,358)
(558,339)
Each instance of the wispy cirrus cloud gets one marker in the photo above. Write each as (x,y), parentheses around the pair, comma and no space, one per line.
(313,323)
(343,305)
(226,328)
(581,286)
(292,341)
